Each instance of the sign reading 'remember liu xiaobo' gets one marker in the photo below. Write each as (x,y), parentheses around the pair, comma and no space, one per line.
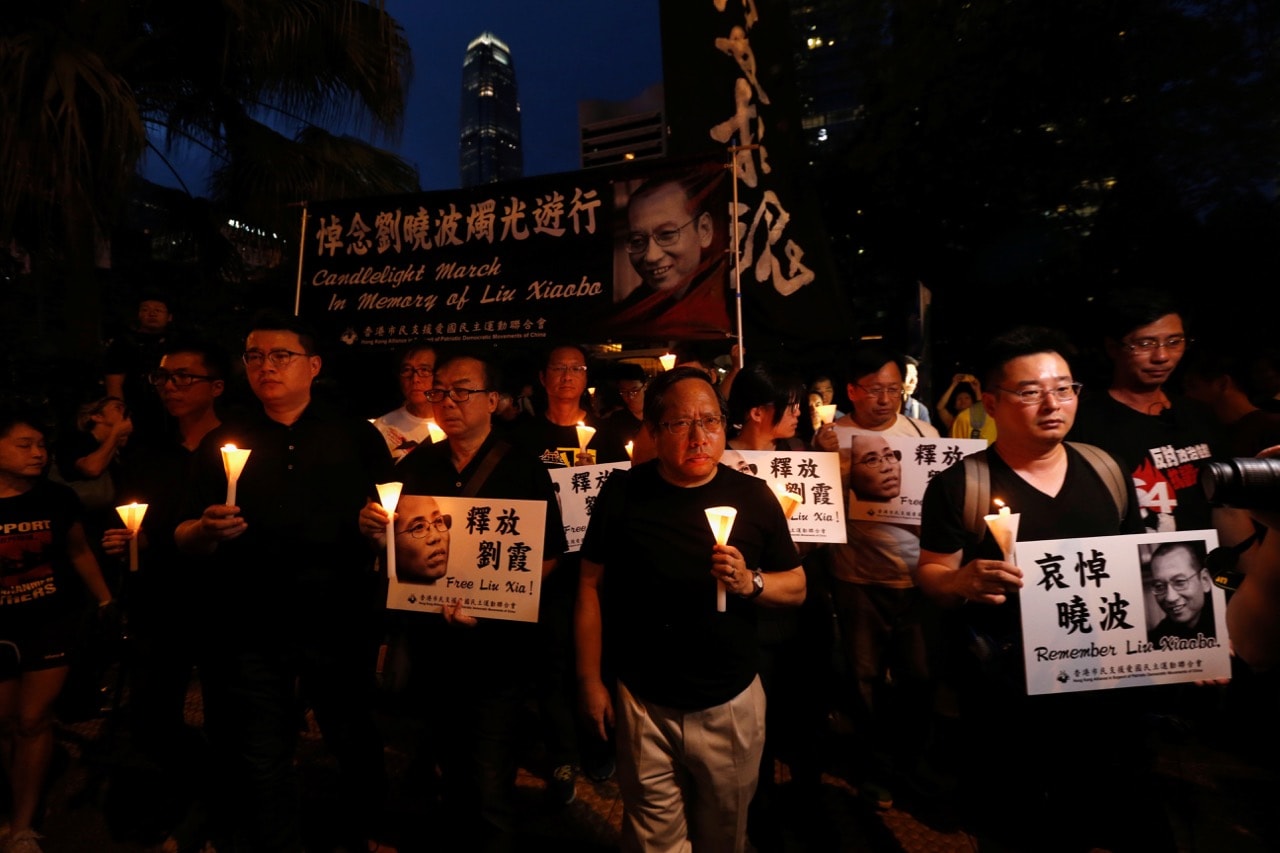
(631,253)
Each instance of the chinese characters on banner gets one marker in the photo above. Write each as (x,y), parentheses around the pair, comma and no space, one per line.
(577,489)
(889,473)
(520,260)
(485,552)
(1121,611)
(808,485)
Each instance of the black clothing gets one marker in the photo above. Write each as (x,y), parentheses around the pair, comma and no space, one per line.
(557,446)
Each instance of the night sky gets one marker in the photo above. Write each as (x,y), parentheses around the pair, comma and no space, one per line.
(565,52)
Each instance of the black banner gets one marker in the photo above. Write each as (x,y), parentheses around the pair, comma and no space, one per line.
(729,84)
(628,254)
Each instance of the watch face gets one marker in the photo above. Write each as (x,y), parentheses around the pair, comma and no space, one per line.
(758,580)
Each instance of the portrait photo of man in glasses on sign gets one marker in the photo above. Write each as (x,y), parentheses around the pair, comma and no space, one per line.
(875,470)
(670,274)
(1179,587)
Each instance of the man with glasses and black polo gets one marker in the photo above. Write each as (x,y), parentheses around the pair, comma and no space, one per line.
(1018,757)
(292,582)
(483,663)
(688,701)
(884,621)
(1160,437)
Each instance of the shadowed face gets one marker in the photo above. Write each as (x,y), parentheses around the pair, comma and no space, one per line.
(1145,357)
(422,540)
(688,456)
(23,453)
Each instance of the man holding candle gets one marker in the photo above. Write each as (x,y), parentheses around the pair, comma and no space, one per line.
(688,702)
(886,623)
(484,662)
(293,580)
(1057,492)
(410,425)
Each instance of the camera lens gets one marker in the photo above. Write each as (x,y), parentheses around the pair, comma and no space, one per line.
(1247,483)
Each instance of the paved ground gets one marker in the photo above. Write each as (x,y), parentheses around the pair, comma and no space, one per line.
(1220,797)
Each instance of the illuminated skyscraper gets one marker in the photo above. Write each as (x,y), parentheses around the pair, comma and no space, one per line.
(489,143)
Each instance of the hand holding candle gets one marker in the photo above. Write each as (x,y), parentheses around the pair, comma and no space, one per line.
(131,515)
(389,496)
(233,460)
(721,520)
(1004,527)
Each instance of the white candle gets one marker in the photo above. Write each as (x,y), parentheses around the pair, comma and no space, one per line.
(826,414)
(585,434)
(631,446)
(389,496)
(1004,527)
(789,500)
(233,460)
(434,430)
(131,514)
(668,360)
(721,520)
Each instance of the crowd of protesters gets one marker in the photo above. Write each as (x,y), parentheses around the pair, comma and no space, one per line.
(275,603)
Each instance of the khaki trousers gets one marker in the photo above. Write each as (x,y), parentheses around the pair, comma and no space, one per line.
(687,777)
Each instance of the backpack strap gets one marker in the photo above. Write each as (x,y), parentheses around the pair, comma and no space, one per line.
(1108,470)
(490,461)
(977,494)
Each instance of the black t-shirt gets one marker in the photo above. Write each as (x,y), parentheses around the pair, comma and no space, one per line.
(302,562)
(1162,452)
(518,476)
(1083,507)
(665,638)
(35,568)
(557,446)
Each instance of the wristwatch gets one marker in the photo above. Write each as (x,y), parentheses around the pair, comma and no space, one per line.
(757,586)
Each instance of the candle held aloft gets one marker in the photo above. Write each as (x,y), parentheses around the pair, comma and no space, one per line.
(720,518)
(233,461)
(667,360)
(131,514)
(389,497)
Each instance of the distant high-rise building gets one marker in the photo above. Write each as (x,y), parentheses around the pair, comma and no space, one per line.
(489,142)
(619,131)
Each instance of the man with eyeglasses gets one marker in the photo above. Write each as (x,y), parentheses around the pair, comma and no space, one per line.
(1182,588)
(884,621)
(292,583)
(687,701)
(1161,437)
(408,426)
(1012,793)
(168,623)
(485,663)
(674,248)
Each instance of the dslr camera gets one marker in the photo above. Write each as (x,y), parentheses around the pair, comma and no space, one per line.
(1246,483)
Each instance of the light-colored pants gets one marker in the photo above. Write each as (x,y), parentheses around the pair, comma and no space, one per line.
(687,777)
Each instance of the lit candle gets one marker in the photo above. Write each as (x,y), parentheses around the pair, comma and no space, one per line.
(585,434)
(789,500)
(826,414)
(131,515)
(631,446)
(389,496)
(434,430)
(668,360)
(721,520)
(1004,527)
(233,460)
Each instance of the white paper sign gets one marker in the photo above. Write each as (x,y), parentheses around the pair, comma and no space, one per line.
(577,489)
(889,473)
(486,552)
(1121,611)
(811,480)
